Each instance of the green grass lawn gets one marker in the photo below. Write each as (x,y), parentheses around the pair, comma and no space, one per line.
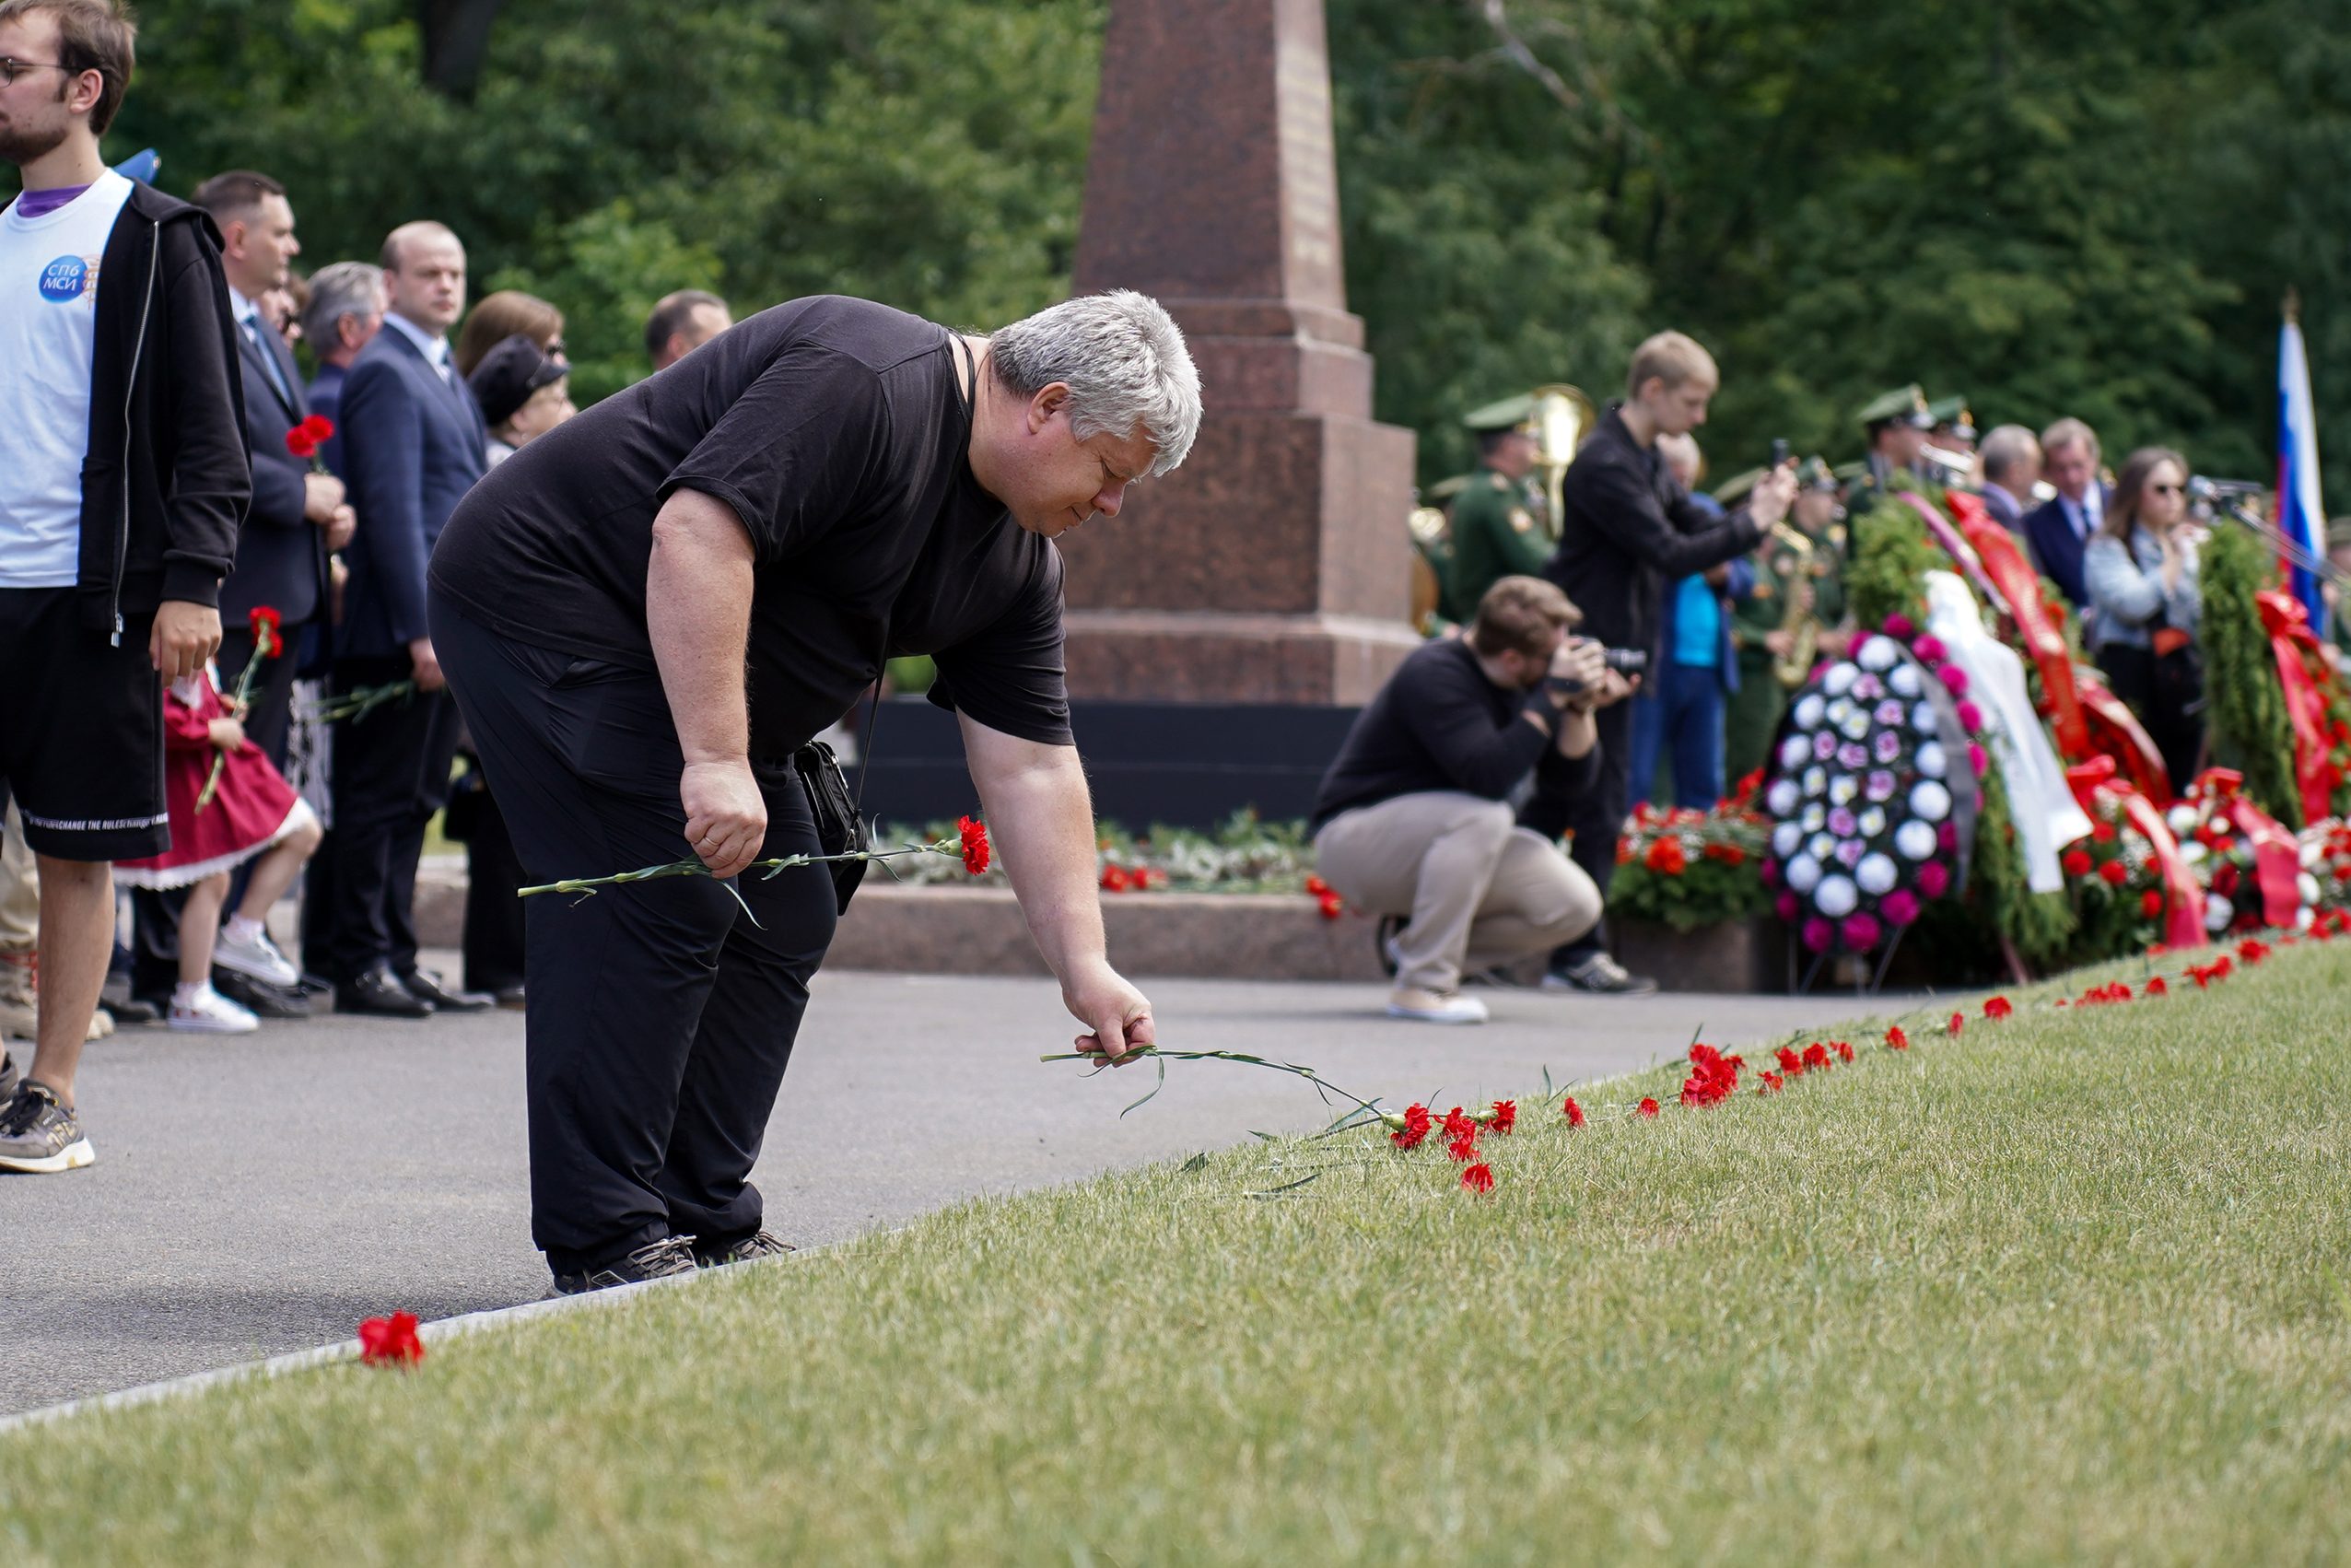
(2073,1287)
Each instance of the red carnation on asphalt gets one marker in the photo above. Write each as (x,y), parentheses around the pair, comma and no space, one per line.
(1572,1111)
(1896,1040)
(2076,862)
(1998,1007)
(1478,1177)
(1416,1127)
(975,837)
(1648,1107)
(391,1341)
(1506,1116)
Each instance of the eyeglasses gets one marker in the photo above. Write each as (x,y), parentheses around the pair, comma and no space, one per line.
(10,69)
(2169,489)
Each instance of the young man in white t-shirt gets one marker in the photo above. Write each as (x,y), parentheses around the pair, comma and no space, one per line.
(119,507)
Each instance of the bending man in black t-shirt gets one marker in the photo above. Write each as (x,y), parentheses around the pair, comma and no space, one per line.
(644,614)
(1415,819)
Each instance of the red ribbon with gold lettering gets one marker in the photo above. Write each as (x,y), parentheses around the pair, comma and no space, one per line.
(2288,627)
(2277,862)
(2184,895)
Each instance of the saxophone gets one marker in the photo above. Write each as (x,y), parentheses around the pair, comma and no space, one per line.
(1798,617)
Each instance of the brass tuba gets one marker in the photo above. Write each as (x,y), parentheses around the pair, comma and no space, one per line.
(1563,418)
(1798,617)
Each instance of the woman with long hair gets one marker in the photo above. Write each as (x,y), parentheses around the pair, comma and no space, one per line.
(2140,570)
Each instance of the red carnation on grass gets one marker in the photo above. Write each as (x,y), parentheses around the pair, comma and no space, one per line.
(2076,862)
(1896,1040)
(2158,988)
(1572,1111)
(1772,1083)
(1816,1055)
(1459,1125)
(1506,1116)
(1478,1177)
(1714,1077)
(1463,1149)
(1790,1063)
(2252,950)
(1648,1107)
(975,837)
(2115,873)
(1417,1123)
(1957,1023)
(391,1341)
(1998,1007)
(1845,1051)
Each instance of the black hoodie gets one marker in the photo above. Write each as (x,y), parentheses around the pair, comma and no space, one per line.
(165,483)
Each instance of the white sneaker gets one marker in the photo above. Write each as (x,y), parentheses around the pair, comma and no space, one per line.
(209,1012)
(1428,1007)
(256,959)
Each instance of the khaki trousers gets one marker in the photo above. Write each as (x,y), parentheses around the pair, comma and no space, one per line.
(19,887)
(1480,890)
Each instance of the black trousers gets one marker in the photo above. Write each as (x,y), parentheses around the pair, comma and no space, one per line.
(154,911)
(494,916)
(391,776)
(660,1019)
(2178,735)
(1597,815)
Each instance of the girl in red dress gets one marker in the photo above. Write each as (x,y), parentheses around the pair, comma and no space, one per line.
(253,812)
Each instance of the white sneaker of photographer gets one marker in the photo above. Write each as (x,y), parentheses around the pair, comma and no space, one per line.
(200,1009)
(244,948)
(1428,1007)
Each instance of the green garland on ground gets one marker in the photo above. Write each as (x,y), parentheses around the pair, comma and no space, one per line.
(2245,709)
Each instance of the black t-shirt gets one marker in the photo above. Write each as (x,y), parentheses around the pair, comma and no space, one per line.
(837,431)
(1439,724)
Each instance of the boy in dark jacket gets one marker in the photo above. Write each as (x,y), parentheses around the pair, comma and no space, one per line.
(119,509)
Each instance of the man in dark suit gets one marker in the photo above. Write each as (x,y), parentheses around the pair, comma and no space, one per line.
(346,312)
(2011,468)
(413,444)
(2059,530)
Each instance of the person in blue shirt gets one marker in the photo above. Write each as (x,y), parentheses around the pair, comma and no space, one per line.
(1679,715)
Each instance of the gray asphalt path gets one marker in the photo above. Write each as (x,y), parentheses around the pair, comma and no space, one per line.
(258,1195)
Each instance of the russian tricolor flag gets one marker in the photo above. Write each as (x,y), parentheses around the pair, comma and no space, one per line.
(2301,510)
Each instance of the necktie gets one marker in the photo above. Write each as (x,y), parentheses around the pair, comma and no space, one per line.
(277,372)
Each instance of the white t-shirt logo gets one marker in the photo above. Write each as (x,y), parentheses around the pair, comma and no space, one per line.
(64,280)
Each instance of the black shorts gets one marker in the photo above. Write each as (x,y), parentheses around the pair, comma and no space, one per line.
(81,730)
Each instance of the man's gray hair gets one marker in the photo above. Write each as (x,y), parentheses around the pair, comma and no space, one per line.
(340,289)
(2007,448)
(1122,357)
(2069,432)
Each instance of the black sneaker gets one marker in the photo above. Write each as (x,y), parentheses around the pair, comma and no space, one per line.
(40,1135)
(260,998)
(1600,974)
(743,1249)
(655,1260)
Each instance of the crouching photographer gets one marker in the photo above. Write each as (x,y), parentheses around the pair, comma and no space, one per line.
(1416,820)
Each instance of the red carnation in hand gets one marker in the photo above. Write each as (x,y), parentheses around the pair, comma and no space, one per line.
(302,444)
(264,622)
(391,1341)
(1478,1178)
(2075,862)
(1506,1116)
(317,426)
(1998,1007)
(975,837)
(1572,1111)
(1417,1123)
(1896,1040)
(1648,1107)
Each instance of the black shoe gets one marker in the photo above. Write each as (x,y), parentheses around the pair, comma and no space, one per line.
(510,998)
(378,992)
(1601,974)
(314,984)
(660,1259)
(128,1009)
(743,1249)
(426,988)
(264,1000)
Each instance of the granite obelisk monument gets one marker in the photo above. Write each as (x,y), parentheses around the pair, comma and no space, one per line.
(1273,568)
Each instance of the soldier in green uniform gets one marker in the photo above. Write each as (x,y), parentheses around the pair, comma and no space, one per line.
(1501,525)
(1896,422)
(1810,576)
